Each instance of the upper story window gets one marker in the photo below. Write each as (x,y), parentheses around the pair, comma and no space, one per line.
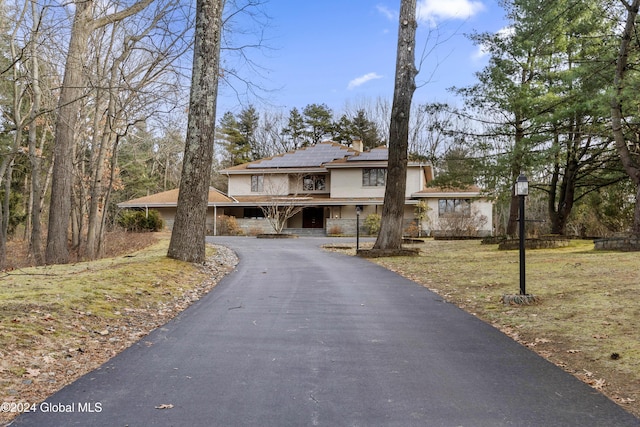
(454,207)
(314,183)
(374,177)
(257,183)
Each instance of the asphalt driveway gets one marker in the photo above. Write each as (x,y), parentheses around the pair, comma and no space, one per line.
(297,336)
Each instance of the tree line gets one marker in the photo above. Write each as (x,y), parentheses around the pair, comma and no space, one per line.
(93,111)
(93,102)
(555,103)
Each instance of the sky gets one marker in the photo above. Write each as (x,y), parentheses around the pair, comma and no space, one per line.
(342,52)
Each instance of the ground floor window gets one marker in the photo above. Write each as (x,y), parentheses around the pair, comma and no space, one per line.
(255,213)
(454,207)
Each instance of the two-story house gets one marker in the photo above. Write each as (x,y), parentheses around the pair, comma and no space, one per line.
(328,181)
(323,186)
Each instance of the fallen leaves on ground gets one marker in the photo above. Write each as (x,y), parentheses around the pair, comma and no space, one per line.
(69,343)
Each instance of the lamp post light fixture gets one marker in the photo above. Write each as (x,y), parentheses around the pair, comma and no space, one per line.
(522,191)
(358,211)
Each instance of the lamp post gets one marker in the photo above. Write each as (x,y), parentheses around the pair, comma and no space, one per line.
(522,191)
(358,210)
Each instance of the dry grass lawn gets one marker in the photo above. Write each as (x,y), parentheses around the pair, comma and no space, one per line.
(60,322)
(588,317)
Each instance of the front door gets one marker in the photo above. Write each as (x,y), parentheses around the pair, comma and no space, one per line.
(313,218)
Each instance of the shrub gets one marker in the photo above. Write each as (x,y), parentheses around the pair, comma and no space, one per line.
(138,221)
(228,226)
(254,231)
(412,230)
(334,230)
(461,225)
(372,223)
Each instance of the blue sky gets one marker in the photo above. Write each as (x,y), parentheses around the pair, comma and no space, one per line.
(340,52)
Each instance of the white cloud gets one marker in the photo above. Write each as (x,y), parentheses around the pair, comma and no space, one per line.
(388,13)
(483,50)
(359,81)
(436,10)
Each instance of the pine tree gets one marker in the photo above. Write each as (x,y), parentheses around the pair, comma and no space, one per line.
(235,144)
(295,129)
(318,119)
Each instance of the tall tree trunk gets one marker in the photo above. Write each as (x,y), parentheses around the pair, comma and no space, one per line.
(628,162)
(189,229)
(516,170)
(35,239)
(3,235)
(6,203)
(559,214)
(390,235)
(72,88)
(107,196)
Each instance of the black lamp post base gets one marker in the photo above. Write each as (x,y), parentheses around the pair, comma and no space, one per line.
(519,299)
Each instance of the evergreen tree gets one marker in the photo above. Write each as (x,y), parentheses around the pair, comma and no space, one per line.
(295,129)
(365,130)
(624,103)
(248,121)
(230,137)
(318,119)
(344,131)
(358,127)
(544,86)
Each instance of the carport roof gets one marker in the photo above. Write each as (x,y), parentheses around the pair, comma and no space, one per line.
(170,199)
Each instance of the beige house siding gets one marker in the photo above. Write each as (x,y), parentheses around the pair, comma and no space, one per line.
(415,180)
(348,183)
(168,215)
(479,207)
(274,184)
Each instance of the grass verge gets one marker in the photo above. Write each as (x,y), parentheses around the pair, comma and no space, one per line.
(587,320)
(60,322)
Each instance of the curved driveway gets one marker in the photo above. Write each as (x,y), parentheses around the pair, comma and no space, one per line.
(297,336)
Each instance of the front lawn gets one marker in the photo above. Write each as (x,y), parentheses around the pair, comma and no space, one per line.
(588,317)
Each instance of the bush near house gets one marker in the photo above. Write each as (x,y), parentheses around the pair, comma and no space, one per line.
(132,220)
(372,223)
(458,225)
(228,226)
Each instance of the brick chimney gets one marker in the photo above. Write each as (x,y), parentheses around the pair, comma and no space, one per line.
(357,145)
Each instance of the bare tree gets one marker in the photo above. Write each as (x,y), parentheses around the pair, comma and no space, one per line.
(132,79)
(282,206)
(27,114)
(390,236)
(188,236)
(9,152)
(71,92)
(36,144)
